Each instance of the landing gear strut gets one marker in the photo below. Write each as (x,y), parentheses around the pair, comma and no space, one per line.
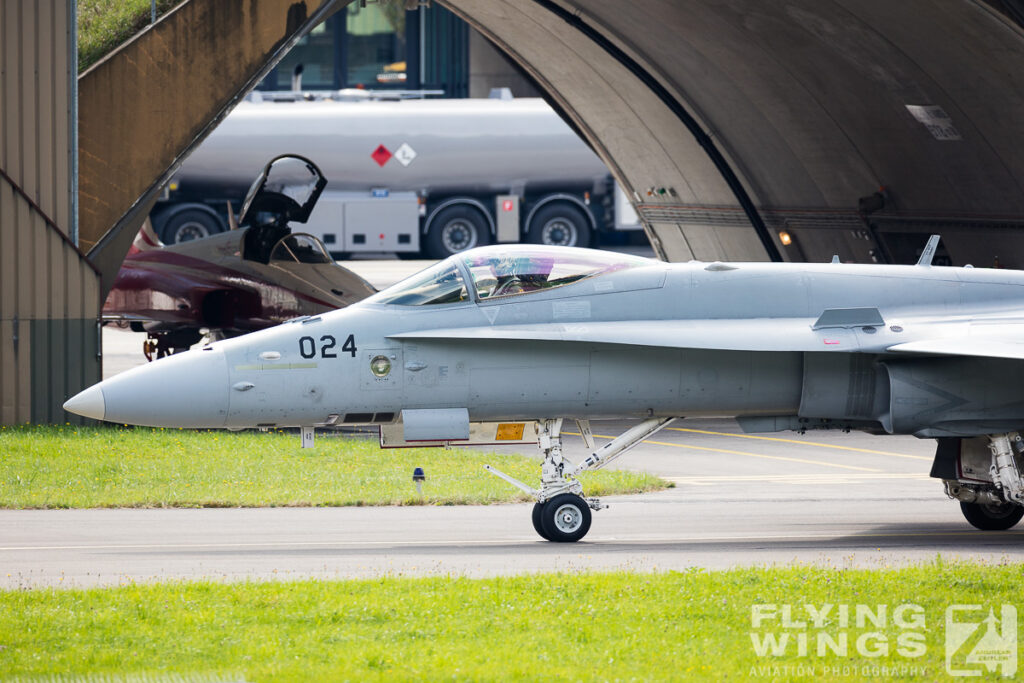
(562,514)
(161,344)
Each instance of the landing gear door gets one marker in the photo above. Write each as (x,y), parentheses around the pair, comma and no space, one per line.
(480,434)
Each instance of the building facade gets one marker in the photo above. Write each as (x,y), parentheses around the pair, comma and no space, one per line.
(383,46)
(49,292)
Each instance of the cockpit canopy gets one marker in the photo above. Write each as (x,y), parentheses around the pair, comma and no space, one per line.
(300,247)
(284,192)
(498,272)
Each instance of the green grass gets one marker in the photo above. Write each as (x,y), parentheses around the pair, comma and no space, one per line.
(606,626)
(80,467)
(105,24)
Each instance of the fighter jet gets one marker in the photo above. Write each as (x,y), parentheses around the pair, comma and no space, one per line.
(239,281)
(504,344)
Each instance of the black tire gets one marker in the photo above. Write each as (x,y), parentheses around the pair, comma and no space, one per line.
(538,523)
(454,229)
(992,517)
(188,225)
(565,518)
(559,224)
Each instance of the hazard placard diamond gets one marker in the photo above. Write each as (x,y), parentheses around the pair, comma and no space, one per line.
(381,155)
(405,154)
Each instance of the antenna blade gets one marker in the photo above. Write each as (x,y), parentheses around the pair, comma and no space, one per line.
(232,221)
(929,251)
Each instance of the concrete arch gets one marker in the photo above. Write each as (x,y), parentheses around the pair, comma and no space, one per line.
(856,126)
(816,105)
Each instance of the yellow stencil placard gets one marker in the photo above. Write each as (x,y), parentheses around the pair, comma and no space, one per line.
(510,432)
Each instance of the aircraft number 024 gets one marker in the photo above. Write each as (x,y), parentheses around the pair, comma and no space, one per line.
(307,346)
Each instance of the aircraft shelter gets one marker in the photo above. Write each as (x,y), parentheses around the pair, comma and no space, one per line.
(743,129)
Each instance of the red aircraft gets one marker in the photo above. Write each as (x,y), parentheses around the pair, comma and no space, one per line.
(239,281)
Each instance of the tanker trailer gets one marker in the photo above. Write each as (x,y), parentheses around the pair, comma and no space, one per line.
(408,176)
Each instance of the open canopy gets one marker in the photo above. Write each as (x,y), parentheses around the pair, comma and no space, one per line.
(284,192)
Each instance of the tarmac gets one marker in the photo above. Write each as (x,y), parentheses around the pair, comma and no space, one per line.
(837,500)
(824,498)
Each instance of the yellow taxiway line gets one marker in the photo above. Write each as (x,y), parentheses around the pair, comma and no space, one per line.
(802,443)
(749,455)
(816,479)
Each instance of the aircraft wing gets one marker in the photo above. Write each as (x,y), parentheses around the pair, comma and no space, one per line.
(126,318)
(767,334)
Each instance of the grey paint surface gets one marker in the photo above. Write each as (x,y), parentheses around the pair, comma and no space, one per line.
(826,499)
(921,350)
(648,340)
(122,349)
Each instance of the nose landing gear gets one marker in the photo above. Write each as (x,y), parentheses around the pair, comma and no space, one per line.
(992,496)
(562,514)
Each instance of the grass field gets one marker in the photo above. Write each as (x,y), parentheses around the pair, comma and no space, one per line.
(105,24)
(610,626)
(61,467)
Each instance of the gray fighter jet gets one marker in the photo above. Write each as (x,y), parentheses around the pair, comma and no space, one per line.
(502,344)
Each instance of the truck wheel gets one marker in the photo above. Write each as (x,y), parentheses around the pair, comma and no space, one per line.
(559,224)
(187,225)
(454,229)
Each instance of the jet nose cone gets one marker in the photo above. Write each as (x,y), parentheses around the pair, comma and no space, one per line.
(184,390)
(88,403)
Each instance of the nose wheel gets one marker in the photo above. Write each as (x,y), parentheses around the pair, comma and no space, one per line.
(562,514)
(563,519)
(538,520)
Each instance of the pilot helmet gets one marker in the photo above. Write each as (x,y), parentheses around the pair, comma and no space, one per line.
(523,266)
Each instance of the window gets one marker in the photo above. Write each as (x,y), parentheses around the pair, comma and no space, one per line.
(381,47)
(440,284)
(522,269)
(315,52)
(504,271)
(376,50)
(300,248)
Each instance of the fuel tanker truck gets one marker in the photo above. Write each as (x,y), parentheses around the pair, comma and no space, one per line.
(411,176)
